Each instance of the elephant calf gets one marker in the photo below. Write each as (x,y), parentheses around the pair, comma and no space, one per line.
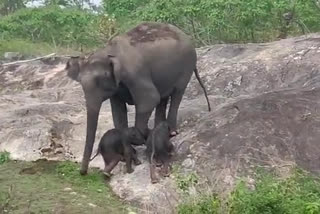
(159,149)
(115,145)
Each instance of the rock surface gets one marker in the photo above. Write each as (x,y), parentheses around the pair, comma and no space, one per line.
(266,112)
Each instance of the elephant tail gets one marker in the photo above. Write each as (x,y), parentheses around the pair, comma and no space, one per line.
(98,151)
(202,86)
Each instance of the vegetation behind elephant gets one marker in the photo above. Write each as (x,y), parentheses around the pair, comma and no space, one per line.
(142,67)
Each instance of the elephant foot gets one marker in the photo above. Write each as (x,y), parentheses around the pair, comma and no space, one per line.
(155,180)
(83,172)
(165,171)
(107,176)
(173,134)
(137,162)
(129,171)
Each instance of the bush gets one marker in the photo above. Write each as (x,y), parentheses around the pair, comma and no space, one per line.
(4,157)
(59,27)
(212,21)
(299,193)
(204,205)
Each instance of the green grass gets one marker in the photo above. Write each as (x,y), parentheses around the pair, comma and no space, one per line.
(206,204)
(28,48)
(4,157)
(54,187)
(298,194)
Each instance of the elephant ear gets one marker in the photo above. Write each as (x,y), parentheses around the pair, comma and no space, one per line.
(73,67)
(115,68)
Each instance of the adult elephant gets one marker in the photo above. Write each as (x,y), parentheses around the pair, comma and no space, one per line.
(142,67)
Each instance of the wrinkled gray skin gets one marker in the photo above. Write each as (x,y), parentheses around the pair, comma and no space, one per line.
(143,67)
(159,150)
(115,145)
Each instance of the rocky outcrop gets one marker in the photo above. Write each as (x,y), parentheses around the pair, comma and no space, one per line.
(266,112)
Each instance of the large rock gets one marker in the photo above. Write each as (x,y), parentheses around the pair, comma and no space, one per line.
(266,104)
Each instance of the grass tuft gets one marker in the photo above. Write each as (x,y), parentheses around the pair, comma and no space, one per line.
(300,193)
(4,157)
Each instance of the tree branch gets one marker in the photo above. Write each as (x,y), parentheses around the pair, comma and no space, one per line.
(29,60)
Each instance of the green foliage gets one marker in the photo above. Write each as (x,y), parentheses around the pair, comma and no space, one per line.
(70,3)
(204,205)
(27,48)
(4,157)
(70,172)
(211,21)
(299,193)
(54,187)
(184,182)
(53,25)
(10,6)
(122,8)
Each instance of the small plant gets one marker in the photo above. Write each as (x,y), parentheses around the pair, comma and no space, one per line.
(299,193)
(70,171)
(4,157)
(205,205)
(184,182)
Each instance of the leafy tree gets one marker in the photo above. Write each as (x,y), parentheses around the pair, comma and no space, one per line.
(70,3)
(57,2)
(10,6)
(215,21)
(60,27)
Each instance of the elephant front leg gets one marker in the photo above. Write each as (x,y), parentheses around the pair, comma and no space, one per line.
(176,98)
(142,123)
(119,113)
(161,111)
(146,97)
(93,109)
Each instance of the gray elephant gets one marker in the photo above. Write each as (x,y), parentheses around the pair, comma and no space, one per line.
(116,145)
(142,67)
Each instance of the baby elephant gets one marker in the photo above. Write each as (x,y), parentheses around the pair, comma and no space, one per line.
(158,150)
(115,145)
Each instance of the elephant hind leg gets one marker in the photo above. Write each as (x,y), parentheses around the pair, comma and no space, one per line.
(175,101)
(109,165)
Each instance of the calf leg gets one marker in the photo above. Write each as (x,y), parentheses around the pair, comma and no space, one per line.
(128,158)
(158,163)
(135,159)
(153,176)
(165,167)
(110,165)
(152,166)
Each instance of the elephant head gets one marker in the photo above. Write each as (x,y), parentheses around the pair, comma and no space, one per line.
(98,73)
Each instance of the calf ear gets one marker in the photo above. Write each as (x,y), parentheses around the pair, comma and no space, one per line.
(115,68)
(73,67)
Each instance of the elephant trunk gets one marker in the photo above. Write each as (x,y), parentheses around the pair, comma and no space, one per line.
(93,110)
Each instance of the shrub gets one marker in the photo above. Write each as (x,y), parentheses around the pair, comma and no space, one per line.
(212,21)
(4,157)
(59,27)
(299,193)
